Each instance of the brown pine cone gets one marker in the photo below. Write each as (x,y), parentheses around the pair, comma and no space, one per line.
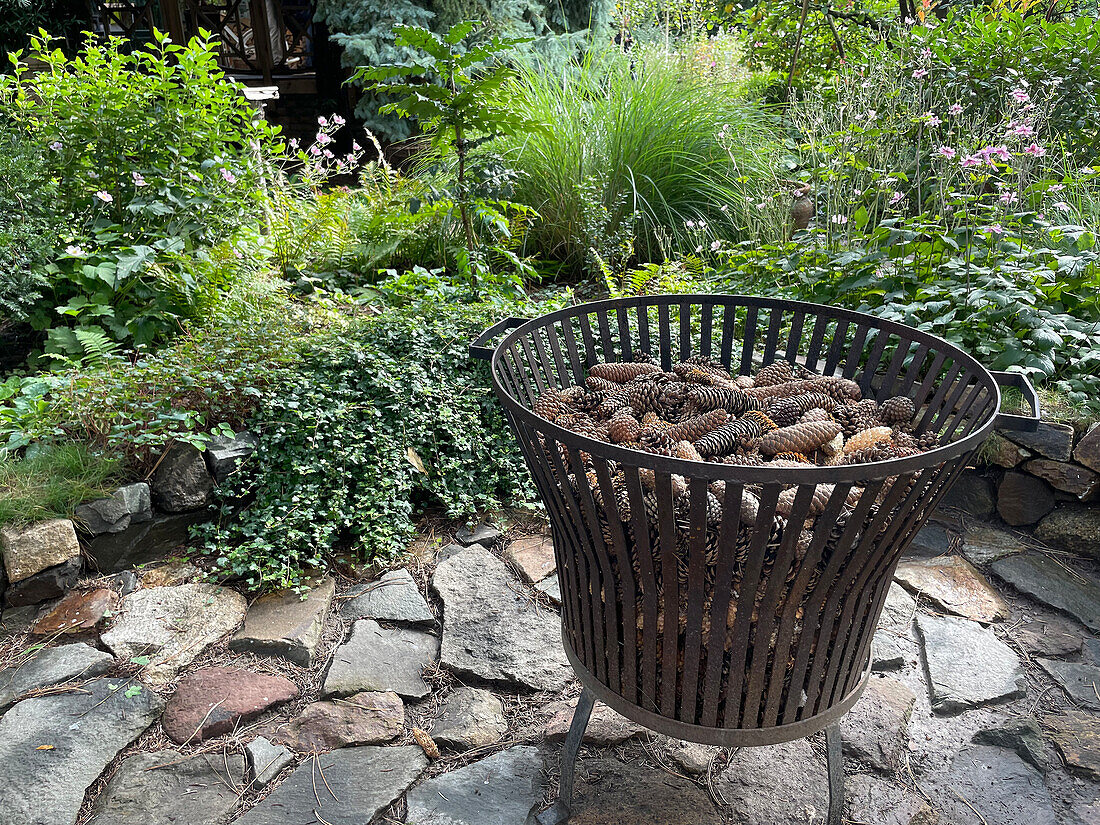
(897,410)
(879,451)
(743,458)
(761,420)
(787,411)
(601,384)
(856,417)
(732,401)
(724,439)
(692,429)
(612,404)
(868,438)
(642,357)
(686,451)
(799,438)
(643,395)
(620,372)
(623,427)
(797,458)
(548,404)
(928,441)
(779,372)
(842,389)
(816,414)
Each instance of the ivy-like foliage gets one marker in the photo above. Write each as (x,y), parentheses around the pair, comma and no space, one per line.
(376,423)
(365,30)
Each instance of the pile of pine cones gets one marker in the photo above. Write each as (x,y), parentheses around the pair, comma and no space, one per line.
(784,416)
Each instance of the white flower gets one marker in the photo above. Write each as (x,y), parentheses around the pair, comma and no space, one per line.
(106,197)
(73,250)
(839,219)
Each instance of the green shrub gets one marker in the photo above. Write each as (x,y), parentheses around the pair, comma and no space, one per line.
(133,406)
(648,157)
(152,155)
(51,481)
(28,232)
(376,422)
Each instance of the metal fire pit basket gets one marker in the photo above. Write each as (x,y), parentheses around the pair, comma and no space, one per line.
(727,633)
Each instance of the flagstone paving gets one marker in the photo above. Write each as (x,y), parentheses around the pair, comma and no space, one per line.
(384,701)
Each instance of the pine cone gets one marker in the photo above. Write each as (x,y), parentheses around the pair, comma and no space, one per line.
(548,404)
(797,458)
(856,417)
(643,395)
(761,420)
(730,435)
(620,372)
(816,414)
(786,411)
(878,451)
(779,372)
(799,438)
(696,427)
(732,401)
(642,357)
(613,403)
(868,438)
(623,427)
(928,441)
(685,450)
(842,389)
(601,384)
(897,410)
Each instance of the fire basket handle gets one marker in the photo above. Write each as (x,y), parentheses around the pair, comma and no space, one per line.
(1019,423)
(477,346)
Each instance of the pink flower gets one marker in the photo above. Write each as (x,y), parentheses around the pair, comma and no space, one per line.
(896,198)
(1057,187)
(1035,150)
(926,53)
(1020,95)
(339,121)
(839,220)
(55,146)
(322,120)
(75,251)
(139,181)
(328,154)
(932,120)
(946,152)
(1065,207)
(104,196)
(355,147)
(920,74)
(324,139)
(1020,130)
(997,229)
(715,246)
(970,161)
(1008,197)
(315,149)
(294,144)
(954,109)
(193,176)
(228,176)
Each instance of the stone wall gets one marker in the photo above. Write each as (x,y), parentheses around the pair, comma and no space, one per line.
(139,523)
(1048,481)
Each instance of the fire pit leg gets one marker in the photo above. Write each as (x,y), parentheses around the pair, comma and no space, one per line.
(558,813)
(836,774)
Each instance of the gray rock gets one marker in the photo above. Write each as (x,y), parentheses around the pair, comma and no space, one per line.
(887,653)
(875,730)
(952,584)
(1048,581)
(381,659)
(872,800)
(1069,478)
(1023,499)
(931,540)
(612,793)
(1050,440)
(266,761)
(498,790)
(358,784)
(1022,736)
(224,455)
(491,631)
(450,550)
(142,542)
(37,547)
(52,666)
(972,494)
(1043,637)
(51,583)
(286,625)
(992,786)
(1074,528)
(967,666)
(128,505)
(393,598)
(691,757)
(776,785)
(16,620)
(181,482)
(551,588)
(898,611)
(1080,681)
(85,730)
(1077,736)
(470,718)
(605,727)
(166,787)
(1088,449)
(480,534)
(362,719)
(173,625)
(983,543)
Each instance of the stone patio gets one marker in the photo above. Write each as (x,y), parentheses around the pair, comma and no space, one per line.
(438,694)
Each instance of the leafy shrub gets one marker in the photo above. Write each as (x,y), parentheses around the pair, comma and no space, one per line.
(132,406)
(650,150)
(27,233)
(154,154)
(376,422)
(51,481)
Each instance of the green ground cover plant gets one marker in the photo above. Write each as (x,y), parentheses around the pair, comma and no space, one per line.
(51,481)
